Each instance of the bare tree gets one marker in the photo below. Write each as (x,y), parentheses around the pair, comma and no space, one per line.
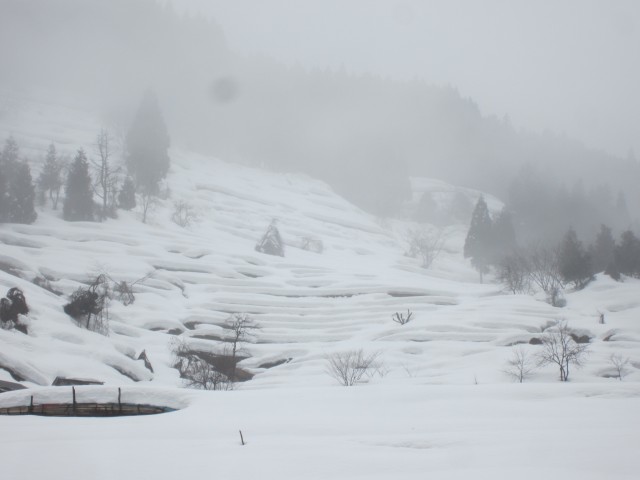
(425,246)
(349,367)
(195,371)
(521,365)
(183,214)
(515,273)
(124,289)
(620,365)
(561,349)
(149,200)
(545,269)
(241,328)
(90,306)
(106,176)
(401,319)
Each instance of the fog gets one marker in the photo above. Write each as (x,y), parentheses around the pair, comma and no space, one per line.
(366,93)
(570,66)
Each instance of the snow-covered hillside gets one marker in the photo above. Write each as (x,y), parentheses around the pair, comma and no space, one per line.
(308,306)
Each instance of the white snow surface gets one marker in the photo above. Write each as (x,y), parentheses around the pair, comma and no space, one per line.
(440,405)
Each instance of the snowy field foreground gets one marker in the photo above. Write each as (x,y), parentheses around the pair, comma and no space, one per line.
(438,404)
(529,431)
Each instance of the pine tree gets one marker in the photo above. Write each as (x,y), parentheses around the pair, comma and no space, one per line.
(17,192)
(147,143)
(8,159)
(575,265)
(477,245)
(78,202)
(50,180)
(602,251)
(22,195)
(504,237)
(127,195)
(627,254)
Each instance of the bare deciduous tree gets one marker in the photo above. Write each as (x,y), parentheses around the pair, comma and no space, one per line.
(195,371)
(521,365)
(425,246)
(348,368)
(183,214)
(105,174)
(561,349)
(149,200)
(620,365)
(241,328)
(515,273)
(545,269)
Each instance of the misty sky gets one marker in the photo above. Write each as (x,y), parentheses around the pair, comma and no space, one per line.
(572,66)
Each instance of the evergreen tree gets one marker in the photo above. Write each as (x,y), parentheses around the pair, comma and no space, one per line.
(17,192)
(78,202)
(8,159)
(147,143)
(50,180)
(22,195)
(602,251)
(477,245)
(127,195)
(504,237)
(10,151)
(574,262)
(627,254)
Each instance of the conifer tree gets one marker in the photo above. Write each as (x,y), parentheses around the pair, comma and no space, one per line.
(22,195)
(627,254)
(17,192)
(477,245)
(127,195)
(50,180)
(147,143)
(503,237)
(78,202)
(602,251)
(573,260)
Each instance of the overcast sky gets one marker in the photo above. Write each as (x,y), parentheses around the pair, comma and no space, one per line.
(571,66)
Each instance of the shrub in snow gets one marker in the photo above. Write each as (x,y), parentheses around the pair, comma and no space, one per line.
(401,319)
(183,214)
(271,242)
(89,306)
(350,367)
(11,307)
